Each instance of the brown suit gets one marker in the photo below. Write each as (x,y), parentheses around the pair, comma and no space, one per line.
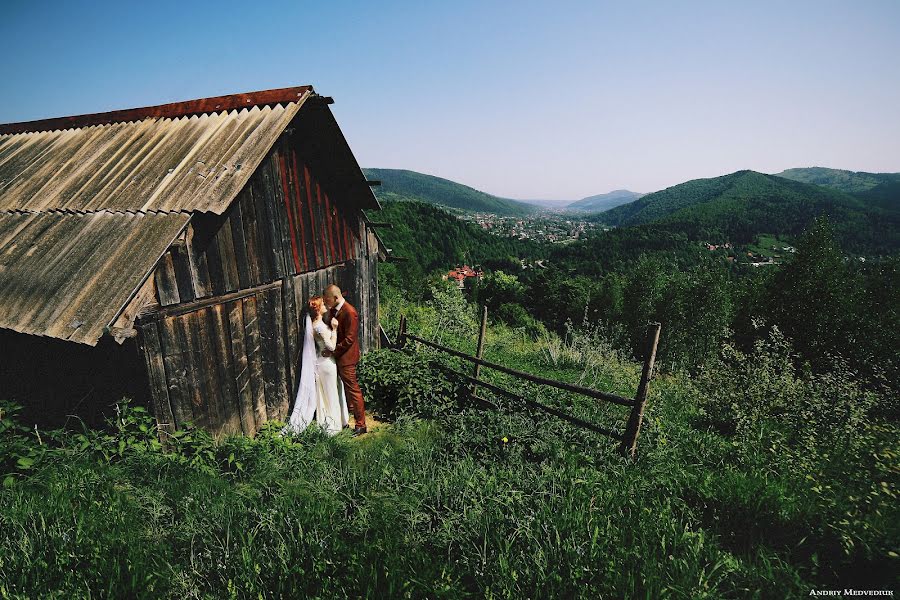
(346,354)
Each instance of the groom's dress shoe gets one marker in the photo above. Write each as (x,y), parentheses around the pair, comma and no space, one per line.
(359,431)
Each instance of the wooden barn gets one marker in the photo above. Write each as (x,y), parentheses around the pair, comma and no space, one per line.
(166,253)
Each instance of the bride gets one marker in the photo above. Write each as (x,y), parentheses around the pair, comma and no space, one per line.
(318,391)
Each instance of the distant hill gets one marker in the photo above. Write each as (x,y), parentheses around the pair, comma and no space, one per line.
(551,204)
(845,181)
(880,189)
(743,204)
(603,202)
(400,184)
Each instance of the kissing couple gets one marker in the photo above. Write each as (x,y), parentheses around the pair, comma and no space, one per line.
(328,369)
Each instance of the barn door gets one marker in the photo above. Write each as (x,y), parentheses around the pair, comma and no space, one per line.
(222,367)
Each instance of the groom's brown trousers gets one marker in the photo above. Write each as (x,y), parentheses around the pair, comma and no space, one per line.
(355,401)
(346,355)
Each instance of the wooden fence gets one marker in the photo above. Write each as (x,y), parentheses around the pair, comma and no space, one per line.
(628,438)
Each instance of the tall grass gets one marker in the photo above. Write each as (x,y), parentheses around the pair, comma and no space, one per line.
(452,501)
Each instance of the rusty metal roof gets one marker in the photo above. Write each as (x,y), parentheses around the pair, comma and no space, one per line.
(199,162)
(89,203)
(68,276)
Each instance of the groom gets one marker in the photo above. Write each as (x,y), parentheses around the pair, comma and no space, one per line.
(346,352)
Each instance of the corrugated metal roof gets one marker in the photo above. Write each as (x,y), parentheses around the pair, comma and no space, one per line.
(190,163)
(69,276)
(89,203)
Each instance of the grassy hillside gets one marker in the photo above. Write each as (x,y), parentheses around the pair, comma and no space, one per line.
(741,205)
(602,202)
(398,184)
(728,498)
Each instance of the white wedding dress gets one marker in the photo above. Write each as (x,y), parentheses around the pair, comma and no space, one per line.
(320,390)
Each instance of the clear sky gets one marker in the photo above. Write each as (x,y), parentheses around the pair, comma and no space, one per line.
(554,100)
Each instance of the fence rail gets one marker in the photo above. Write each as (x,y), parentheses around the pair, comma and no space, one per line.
(628,439)
(535,404)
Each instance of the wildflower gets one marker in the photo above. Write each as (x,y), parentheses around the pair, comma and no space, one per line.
(505,439)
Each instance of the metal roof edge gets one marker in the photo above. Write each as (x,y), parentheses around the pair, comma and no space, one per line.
(171,110)
(146,276)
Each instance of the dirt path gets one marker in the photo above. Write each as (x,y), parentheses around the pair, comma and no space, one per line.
(372,424)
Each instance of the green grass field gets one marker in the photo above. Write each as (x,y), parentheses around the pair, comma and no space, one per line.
(745,487)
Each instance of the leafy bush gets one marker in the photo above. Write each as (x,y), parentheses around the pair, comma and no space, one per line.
(516,316)
(766,402)
(815,432)
(400,383)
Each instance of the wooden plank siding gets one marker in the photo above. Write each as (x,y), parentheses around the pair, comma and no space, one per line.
(232,367)
(282,223)
(231,364)
(150,349)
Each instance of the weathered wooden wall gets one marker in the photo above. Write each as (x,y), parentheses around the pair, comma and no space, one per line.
(282,223)
(223,349)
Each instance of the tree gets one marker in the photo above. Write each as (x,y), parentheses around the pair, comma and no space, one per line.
(499,288)
(813,297)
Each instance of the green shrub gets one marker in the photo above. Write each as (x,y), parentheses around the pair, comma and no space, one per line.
(399,383)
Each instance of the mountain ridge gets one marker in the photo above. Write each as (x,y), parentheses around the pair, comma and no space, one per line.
(739,205)
(405,185)
(876,189)
(603,202)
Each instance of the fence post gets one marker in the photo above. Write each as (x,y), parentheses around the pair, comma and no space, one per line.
(480,351)
(629,440)
(401,334)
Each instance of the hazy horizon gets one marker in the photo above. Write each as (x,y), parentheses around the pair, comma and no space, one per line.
(524,100)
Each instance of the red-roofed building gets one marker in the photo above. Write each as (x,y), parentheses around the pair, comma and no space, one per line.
(461,274)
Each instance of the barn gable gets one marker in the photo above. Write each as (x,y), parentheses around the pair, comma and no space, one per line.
(193,233)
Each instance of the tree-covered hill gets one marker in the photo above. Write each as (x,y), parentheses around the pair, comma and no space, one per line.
(602,202)
(851,182)
(430,238)
(741,205)
(875,189)
(400,184)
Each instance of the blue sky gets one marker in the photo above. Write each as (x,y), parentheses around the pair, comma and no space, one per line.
(521,99)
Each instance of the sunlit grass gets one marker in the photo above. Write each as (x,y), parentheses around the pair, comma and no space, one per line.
(454,501)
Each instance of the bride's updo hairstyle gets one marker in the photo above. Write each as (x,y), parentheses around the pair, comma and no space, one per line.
(314,305)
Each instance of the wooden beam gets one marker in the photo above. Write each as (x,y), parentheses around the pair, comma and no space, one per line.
(479,352)
(180,309)
(166,285)
(145,296)
(633,429)
(151,350)
(120,334)
(548,409)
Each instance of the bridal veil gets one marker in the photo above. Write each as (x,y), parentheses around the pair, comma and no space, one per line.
(305,404)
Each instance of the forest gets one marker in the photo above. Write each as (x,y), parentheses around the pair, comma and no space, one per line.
(832,306)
